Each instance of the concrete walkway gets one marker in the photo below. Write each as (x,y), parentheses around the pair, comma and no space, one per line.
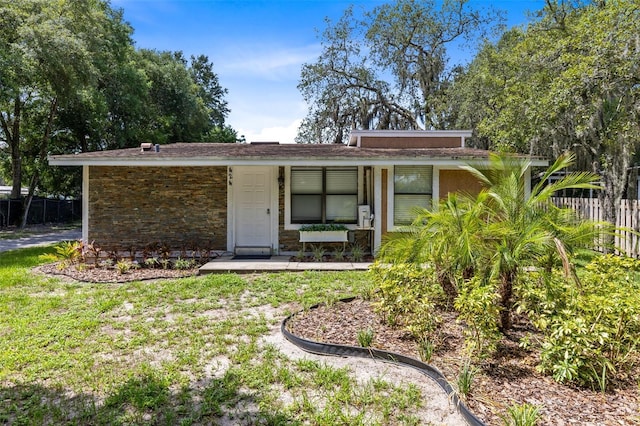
(225,264)
(40,239)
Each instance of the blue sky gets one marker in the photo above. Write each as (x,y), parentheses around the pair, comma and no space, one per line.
(257,48)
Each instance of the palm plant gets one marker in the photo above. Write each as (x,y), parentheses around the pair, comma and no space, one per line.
(527,229)
(498,233)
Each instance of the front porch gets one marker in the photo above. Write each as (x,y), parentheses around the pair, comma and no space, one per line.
(226,264)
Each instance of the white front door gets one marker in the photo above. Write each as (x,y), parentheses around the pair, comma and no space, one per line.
(252,199)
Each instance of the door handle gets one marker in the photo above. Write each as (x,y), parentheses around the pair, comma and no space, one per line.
(268,211)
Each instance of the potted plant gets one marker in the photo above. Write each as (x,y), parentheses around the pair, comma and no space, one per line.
(323,233)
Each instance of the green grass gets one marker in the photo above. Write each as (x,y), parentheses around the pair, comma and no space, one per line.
(186,351)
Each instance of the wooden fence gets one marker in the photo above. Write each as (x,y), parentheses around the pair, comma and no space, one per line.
(627,239)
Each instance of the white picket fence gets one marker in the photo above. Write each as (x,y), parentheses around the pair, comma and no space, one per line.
(627,239)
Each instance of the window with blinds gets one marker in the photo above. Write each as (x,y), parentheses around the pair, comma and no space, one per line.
(412,187)
(324,195)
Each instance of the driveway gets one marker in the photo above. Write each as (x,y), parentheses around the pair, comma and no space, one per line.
(40,239)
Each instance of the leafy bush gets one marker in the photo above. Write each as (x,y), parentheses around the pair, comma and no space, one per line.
(365,337)
(67,253)
(407,297)
(357,253)
(125,265)
(522,415)
(477,306)
(590,331)
(317,253)
(182,264)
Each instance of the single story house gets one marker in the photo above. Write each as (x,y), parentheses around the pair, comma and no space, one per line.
(254,198)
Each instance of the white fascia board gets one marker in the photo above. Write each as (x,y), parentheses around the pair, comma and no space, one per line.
(199,162)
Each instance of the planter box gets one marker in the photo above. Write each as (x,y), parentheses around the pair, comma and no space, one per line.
(323,236)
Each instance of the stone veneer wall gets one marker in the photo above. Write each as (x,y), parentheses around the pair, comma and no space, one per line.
(176,206)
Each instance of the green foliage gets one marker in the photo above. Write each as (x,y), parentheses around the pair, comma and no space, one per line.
(66,253)
(124,265)
(365,337)
(407,297)
(590,331)
(385,69)
(318,227)
(465,379)
(425,349)
(478,249)
(357,253)
(477,305)
(72,81)
(566,82)
(182,264)
(317,252)
(522,415)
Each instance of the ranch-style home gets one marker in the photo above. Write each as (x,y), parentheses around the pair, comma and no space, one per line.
(254,198)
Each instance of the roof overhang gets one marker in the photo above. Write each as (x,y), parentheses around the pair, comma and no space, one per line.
(328,161)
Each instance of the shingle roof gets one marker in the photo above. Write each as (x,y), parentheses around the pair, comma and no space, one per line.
(265,153)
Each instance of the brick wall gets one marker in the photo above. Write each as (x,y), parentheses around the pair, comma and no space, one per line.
(168,205)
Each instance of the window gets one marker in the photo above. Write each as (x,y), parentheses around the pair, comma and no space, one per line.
(412,187)
(324,195)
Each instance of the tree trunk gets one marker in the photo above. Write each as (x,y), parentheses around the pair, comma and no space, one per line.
(42,157)
(448,286)
(506,300)
(614,179)
(11,129)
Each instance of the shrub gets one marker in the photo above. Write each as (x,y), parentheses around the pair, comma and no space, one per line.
(477,305)
(590,331)
(357,253)
(522,415)
(67,253)
(407,297)
(317,253)
(123,266)
(365,337)
(183,264)
(151,262)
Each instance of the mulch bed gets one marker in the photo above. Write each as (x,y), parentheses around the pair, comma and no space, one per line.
(112,275)
(509,379)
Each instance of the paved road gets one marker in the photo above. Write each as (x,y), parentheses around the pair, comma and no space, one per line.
(40,239)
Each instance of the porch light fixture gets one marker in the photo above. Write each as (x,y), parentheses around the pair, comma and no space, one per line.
(230,177)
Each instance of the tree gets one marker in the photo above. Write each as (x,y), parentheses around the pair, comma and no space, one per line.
(386,70)
(209,90)
(72,81)
(570,81)
(47,52)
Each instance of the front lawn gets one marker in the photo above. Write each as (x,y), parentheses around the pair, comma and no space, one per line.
(183,351)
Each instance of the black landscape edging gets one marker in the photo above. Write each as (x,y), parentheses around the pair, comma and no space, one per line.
(386,356)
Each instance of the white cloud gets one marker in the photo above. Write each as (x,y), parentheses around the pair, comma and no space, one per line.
(280,134)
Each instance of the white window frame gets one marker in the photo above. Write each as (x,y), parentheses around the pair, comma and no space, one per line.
(288,225)
(391,225)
